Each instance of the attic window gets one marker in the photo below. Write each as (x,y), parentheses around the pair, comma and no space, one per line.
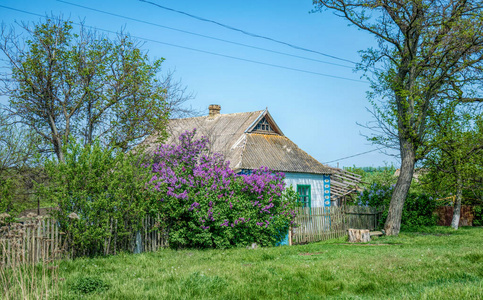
(263,125)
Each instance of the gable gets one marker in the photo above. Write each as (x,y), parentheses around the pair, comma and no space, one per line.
(264,125)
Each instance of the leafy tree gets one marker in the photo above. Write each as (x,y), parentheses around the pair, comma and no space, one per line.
(454,163)
(429,53)
(67,83)
(100,194)
(17,162)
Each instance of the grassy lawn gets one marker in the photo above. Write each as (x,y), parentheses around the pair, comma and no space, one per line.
(434,263)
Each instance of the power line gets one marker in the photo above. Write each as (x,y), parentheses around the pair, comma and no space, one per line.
(358,154)
(247,33)
(202,51)
(201,35)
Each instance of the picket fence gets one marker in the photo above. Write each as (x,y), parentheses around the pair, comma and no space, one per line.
(149,238)
(39,239)
(31,241)
(323,223)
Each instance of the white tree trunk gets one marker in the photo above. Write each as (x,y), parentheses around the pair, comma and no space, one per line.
(457,204)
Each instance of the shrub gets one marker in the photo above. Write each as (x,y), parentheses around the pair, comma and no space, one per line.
(101,197)
(417,211)
(205,204)
(87,285)
(478,215)
(6,194)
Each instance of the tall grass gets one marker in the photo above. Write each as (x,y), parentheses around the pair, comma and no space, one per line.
(430,263)
(24,276)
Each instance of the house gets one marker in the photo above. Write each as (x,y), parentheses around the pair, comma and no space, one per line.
(251,140)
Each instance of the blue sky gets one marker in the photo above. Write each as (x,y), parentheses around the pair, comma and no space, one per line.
(318,113)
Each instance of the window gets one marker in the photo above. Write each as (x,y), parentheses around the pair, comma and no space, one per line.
(263,125)
(304,195)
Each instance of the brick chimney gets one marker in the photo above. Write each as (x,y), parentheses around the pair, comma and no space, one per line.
(214,110)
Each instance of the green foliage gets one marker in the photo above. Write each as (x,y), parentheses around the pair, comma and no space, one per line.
(417,210)
(478,214)
(428,60)
(18,147)
(384,176)
(87,285)
(6,194)
(100,195)
(80,84)
(455,163)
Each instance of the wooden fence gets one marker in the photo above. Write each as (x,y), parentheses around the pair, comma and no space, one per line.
(150,238)
(318,224)
(38,239)
(323,223)
(362,217)
(445,215)
(32,241)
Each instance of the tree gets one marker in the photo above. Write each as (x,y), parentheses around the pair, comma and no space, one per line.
(429,54)
(81,84)
(454,161)
(100,195)
(17,158)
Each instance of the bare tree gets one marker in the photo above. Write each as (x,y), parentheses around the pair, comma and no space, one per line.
(177,97)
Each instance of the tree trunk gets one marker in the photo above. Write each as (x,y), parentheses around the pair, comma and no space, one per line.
(393,221)
(457,204)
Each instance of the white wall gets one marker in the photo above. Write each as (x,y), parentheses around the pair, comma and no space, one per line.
(315,181)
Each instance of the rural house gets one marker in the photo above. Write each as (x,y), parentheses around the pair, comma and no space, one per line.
(251,140)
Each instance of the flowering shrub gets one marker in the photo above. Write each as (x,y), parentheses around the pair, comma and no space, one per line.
(417,211)
(375,196)
(205,204)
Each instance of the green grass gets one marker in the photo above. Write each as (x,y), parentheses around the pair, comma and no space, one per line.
(433,263)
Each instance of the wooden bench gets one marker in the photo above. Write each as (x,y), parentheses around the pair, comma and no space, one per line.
(376,233)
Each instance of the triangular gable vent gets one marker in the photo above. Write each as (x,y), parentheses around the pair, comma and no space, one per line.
(265,125)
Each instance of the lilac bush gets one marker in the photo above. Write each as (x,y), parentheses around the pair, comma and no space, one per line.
(204,204)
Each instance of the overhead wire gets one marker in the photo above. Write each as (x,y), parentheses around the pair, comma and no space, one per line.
(358,154)
(202,51)
(247,33)
(202,35)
